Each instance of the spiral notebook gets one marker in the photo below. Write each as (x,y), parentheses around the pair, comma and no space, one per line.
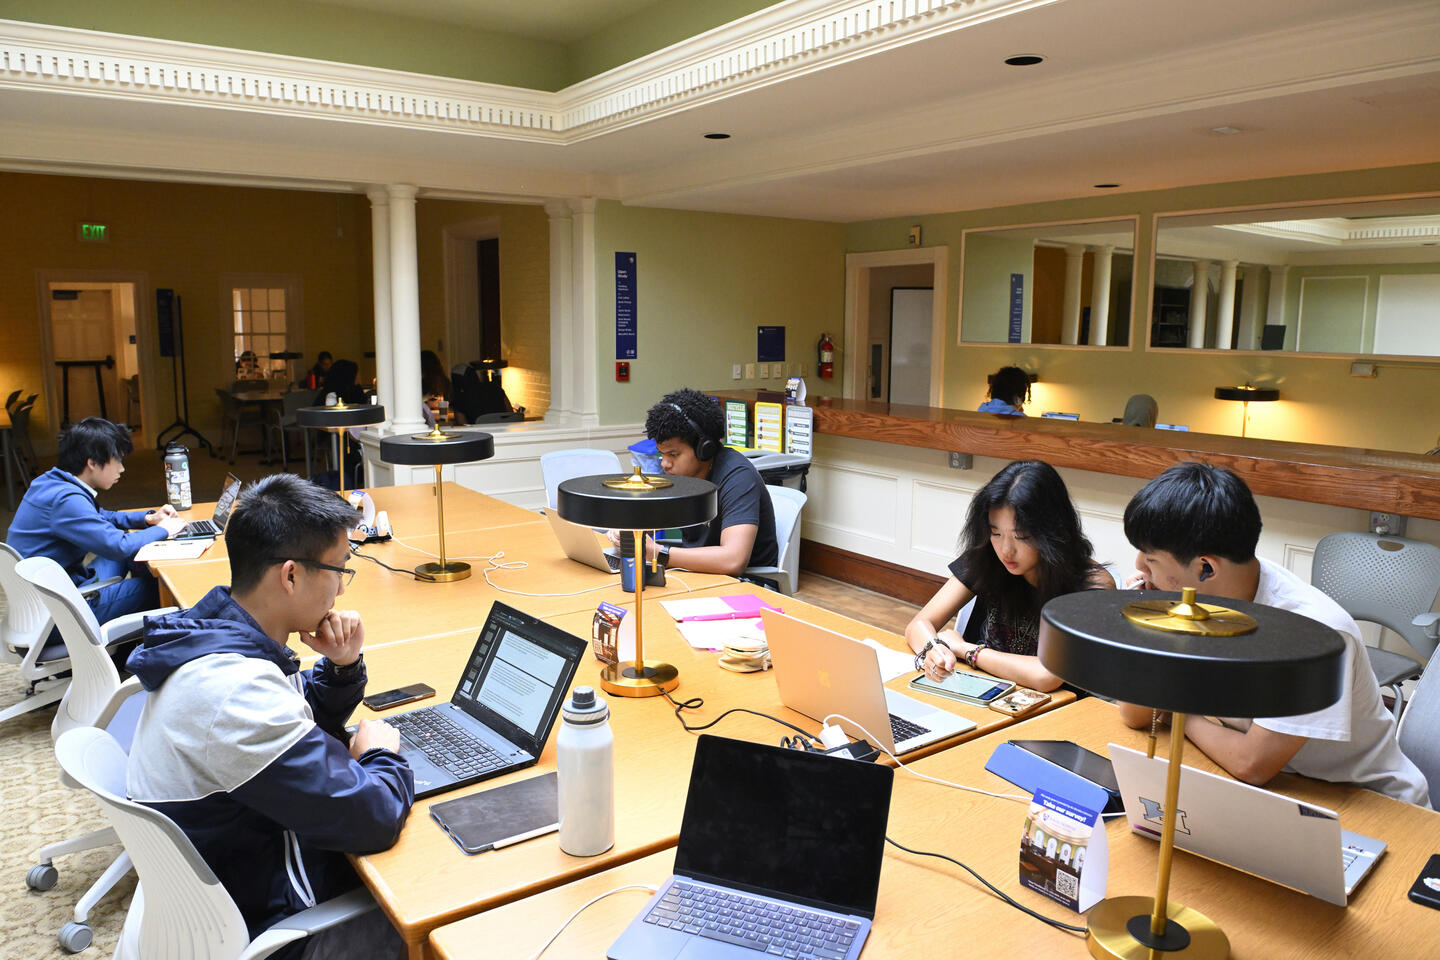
(501,816)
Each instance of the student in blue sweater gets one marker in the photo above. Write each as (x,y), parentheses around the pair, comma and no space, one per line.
(59,519)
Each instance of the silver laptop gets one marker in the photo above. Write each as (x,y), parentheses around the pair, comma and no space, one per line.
(582,544)
(1270,835)
(820,672)
(788,883)
(212,528)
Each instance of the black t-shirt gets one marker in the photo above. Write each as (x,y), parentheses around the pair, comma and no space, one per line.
(740,498)
(999,628)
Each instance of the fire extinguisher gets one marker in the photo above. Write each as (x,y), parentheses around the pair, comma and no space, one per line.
(826,351)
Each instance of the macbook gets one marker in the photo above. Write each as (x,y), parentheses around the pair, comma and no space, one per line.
(820,672)
(582,544)
(1270,835)
(503,708)
(209,529)
(757,872)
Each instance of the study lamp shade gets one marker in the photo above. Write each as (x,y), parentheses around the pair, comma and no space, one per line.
(339,418)
(1246,395)
(436,449)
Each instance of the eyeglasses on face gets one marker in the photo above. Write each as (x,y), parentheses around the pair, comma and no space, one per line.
(347,575)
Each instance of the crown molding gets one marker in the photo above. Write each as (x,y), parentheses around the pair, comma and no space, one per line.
(1346,232)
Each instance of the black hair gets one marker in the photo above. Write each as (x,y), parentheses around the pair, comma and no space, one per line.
(323,356)
(92,439)
(1010,384)
(1046,517)
(340,380)
(433,382)
(664,422)
(282,516)
(1194,509)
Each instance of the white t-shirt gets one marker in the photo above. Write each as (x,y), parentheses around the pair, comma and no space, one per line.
(1353,739)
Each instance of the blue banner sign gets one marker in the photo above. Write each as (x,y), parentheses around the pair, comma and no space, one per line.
(627,333)
(1017,305)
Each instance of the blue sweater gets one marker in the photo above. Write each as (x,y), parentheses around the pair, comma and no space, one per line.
(58,519)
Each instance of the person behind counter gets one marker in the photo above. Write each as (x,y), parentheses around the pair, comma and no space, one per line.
(1140,411)
(1022,546)
(1009,392)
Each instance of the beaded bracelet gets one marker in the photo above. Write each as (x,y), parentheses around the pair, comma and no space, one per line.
(973,655)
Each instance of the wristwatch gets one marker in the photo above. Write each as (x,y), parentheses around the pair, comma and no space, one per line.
(663,555)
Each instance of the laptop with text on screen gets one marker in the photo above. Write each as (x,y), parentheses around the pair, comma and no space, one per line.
(757,871)
(503,708)
(1268,834)
(208,529)
(819,672)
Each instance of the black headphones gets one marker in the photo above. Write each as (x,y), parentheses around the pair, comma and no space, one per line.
(705,446)
(1206,571)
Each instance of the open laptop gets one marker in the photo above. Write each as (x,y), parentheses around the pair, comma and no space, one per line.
(582,544)
(820,672)
(1270,835)
(503,708)
(209,529)
(757,872)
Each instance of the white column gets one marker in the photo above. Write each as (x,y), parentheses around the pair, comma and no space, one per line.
(1225,307)
(1070,311)
(404,310)
(562,311)
(1275,307)
(586,320)
(1100,295)
(1199,298)
(380,283)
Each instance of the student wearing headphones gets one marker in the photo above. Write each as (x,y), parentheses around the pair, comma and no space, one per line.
(687,426)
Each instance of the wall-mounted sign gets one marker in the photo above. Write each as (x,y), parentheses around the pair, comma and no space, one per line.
(627,333)
(769,344)
(1017,305)
(92,232)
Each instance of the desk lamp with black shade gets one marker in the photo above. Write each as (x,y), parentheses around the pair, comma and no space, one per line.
(339,418)
(638,503)
(1169,652)
(1247,394)
(436,449)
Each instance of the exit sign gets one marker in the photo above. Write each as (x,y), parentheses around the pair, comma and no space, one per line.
(92,232)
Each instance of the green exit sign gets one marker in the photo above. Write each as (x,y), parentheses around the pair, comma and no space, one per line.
(92,232)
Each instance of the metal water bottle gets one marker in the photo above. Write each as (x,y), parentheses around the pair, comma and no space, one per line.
(585,758)
(177,476)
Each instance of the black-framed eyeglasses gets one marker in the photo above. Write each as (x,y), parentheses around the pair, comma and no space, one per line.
(347,576)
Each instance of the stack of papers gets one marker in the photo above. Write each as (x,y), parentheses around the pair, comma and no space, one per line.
(742,606)
(173,550)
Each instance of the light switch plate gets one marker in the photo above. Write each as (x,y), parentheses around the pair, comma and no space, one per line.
(749,371)
(735,372)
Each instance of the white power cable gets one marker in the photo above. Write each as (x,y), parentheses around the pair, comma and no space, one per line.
(647,887)
(495,564)
(1022,797)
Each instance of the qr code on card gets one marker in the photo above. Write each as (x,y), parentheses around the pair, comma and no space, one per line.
(1067,884)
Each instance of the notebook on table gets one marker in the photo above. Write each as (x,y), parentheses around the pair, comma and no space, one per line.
(1270,835)
(819,672)
(757,873)
(212,528)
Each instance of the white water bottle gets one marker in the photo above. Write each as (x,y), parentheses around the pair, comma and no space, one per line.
(585,758)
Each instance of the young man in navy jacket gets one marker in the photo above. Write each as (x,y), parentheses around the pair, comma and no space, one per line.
(245,751)
(58,518)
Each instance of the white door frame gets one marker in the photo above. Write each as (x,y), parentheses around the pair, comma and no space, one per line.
(857,312)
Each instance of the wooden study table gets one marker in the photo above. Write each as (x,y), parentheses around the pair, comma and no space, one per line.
(926,904)
(424,881)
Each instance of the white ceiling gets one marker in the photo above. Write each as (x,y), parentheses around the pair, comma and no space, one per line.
(1129,94)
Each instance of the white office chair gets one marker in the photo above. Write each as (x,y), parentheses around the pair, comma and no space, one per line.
(787,503)
(86,702)
(180,910)
(558,466)
(1419,732)
(1384,580)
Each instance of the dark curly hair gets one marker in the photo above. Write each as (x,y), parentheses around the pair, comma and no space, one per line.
(1010,384)
(665,422)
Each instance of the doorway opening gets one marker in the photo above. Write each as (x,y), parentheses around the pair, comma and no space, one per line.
(895,325)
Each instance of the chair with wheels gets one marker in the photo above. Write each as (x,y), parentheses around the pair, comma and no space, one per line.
(1419,732)
(787,503)
(557,466)
(236,416)
(11,400)
(1384,580)
(180,910)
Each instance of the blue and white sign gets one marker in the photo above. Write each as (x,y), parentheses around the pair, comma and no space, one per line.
(627,331)
(1017,306)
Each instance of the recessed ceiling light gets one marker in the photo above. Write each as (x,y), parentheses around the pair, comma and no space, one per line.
(1226,131)
(1024,60)
(717,136)
(1106,186)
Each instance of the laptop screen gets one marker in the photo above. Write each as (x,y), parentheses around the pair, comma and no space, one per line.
(518,674)
(801,826)
(227,500)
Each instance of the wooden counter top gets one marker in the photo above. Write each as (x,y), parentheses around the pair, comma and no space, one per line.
(1402,483)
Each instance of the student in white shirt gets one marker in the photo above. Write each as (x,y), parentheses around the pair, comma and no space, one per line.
(1197,525)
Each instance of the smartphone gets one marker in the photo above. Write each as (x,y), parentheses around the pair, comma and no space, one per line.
(961,685)
(1018,703)
(393,698)
(1427,886)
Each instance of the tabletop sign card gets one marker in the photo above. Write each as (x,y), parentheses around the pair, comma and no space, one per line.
(627,334)
(1062,853)
(768,432)
(799,425)
(737,424)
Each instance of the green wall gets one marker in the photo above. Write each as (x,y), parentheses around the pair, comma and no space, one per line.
(653,28)
(987,302)
(1339,317)
(705,281)
(1320,401)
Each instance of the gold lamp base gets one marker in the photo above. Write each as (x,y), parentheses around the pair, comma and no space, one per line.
(1117,924)
(443,572)
(654,678)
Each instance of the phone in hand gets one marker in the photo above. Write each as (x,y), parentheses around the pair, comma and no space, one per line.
(1426,890)
(394,698)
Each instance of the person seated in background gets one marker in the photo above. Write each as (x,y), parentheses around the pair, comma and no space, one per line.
(340,380)
(1009,392)
(322,367)
(1141,410)
(476,391)
(688,428)
(1022,546)
(58,518)
(1197,525)
(246,752)
(434,386)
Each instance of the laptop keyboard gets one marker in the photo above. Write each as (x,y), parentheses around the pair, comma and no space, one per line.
(200,528)
(447,744)
(902,729)
(761,925)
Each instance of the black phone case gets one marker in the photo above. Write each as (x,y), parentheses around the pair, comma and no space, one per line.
(1423,894)
(398,703)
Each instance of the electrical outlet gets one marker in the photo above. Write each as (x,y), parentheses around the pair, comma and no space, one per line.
(962,461)
(1387,524)
(749,371)
(735,372)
